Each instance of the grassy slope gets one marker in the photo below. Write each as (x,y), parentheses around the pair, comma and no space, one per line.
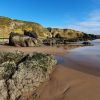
(8,25)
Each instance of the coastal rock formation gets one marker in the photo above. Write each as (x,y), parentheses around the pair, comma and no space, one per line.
(30,34)
(98,36)
(31,29)
(67,33)
(16,39)
(21,75)
(8,25)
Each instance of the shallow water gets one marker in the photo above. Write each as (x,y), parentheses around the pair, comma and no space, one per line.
(84,59)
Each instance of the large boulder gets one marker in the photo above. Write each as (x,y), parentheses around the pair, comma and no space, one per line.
(21,75)
(30,34)
(16,39)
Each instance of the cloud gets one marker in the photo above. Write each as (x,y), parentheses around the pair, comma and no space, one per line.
(95,15)
(96,1)
(90,25)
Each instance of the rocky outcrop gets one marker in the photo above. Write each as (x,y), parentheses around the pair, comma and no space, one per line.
(8,25)
(30,34)
(21,75)
(97,36)
(16,39)
(66,33)
(70,35)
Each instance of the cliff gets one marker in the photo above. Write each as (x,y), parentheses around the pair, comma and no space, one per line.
(8,25)
(67,33)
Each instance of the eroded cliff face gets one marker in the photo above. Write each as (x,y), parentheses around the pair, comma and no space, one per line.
(8,25)
(21,75)
(67,33)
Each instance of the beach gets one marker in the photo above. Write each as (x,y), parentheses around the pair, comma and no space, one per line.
(45,49)
(76,75)
(69,84)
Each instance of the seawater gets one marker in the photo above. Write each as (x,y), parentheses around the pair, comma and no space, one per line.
(85,59)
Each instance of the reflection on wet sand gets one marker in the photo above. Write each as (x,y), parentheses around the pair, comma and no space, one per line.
(75,76)
(85,59)
(70,46)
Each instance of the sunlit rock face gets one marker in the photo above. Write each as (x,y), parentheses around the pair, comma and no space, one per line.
(18,40)
(67,33)
(8,25)
(21,75)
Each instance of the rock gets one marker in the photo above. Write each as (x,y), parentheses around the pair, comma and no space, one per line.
(20,79)
(3,90)
(65,33)
(16,39)
(87,43)
(49,41)
(30,34)
(8,25)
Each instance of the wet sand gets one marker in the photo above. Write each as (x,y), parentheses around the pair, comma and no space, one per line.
(76,76)
(44,49)
(69,84)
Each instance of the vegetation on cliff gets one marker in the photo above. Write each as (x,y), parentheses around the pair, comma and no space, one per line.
(8,25)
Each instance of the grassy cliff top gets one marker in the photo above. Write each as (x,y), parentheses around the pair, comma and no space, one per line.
(8,25)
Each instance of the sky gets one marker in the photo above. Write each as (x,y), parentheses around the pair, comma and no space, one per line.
(82,15)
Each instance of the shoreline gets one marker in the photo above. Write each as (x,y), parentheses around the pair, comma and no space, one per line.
(73,78)
(69,84)
(46,49)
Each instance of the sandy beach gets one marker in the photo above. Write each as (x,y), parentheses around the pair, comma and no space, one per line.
(44,49)
(49,49)
(55,50)
(69,84)
(76,76)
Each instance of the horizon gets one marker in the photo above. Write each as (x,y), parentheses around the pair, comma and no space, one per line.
(71,14)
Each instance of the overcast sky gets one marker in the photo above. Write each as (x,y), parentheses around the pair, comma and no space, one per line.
(82,15)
